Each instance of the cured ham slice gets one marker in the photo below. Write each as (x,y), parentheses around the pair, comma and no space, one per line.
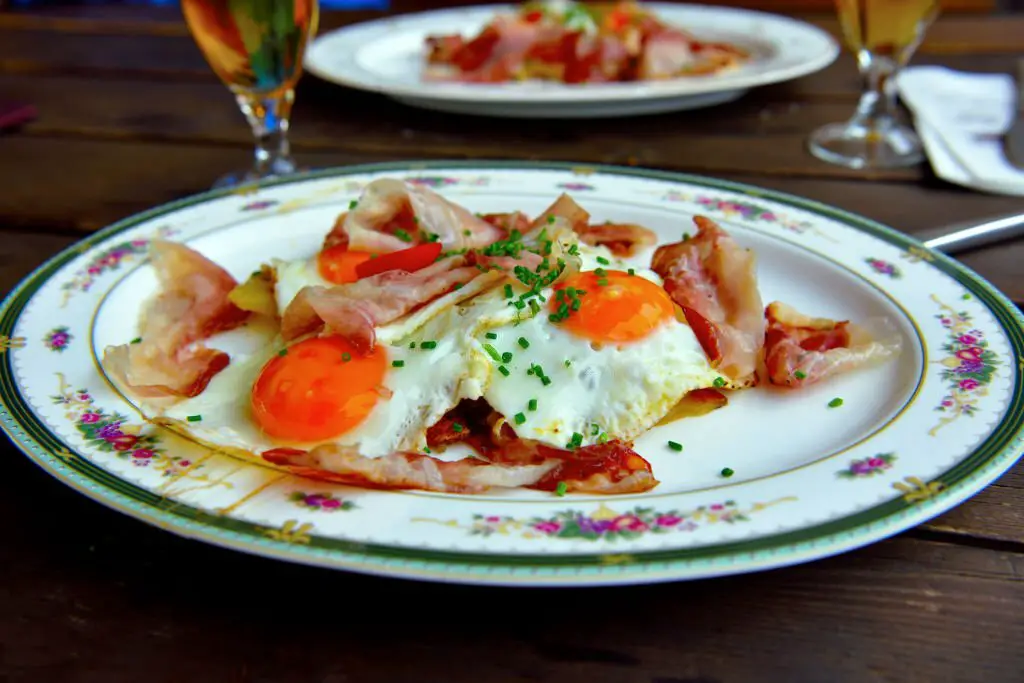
(392,215)
(493,56)
(192,304)
(714,281)
(801,350)
(353,310)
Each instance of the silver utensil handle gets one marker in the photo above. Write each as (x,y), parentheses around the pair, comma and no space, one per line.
(958,237)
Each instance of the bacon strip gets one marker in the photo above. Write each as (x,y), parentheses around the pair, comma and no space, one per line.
(622,239)
(192,304)
(392,215)
(800,350)
(353,310)
(714,281)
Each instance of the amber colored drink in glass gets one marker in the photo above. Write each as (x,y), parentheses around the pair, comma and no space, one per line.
(256,47)
(883,35)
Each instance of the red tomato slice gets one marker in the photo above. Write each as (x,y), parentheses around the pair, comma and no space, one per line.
(411,259)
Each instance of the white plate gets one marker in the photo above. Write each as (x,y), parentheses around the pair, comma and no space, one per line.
(386,56)
(913,438)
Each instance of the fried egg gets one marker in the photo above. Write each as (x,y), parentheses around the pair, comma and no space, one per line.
(322,389)
(604,357)
(331,266)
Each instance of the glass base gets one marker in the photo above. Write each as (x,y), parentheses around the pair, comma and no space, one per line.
(251,177)
(884,144)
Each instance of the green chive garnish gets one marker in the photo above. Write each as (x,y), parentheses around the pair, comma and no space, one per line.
(506,357)
(492,352)
(676,446)
(467,233)
(575,442)
(532,405)
(727,472)
(799,374)
(412,345)
(398,363)
(534,306)
(136,340)
(719,382)
(426,449)
(551,219)
(835,403)
(403,235)
(503,370)
(346,357)
(603,261)
(282,352)
(194,418)
(508,291)
(631,271)
(595,429)
(458,286)
(456,427)
(428,345)
(561,489)
(568,362)
(352,204)
(519,418)
(522,341)
(491,335)
(545,380)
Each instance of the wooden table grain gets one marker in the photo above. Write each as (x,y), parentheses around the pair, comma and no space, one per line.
(130,116)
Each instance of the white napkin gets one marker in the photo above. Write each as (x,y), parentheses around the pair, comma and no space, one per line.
(960,118)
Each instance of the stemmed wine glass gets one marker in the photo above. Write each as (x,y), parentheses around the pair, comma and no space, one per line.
(256,47)
(883,35)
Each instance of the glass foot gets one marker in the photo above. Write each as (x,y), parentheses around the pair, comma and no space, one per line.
(252,177)
(884,144)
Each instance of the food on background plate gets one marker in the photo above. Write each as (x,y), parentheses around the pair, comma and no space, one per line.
(420,329)
(576,42)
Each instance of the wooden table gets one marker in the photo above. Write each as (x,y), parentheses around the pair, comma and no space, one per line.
(130,116)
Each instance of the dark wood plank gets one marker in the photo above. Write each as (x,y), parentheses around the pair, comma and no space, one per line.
(995,514)
(114,179)
(91,595)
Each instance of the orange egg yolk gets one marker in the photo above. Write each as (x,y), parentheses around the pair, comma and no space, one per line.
(615,307)
(317,389)
(338,264)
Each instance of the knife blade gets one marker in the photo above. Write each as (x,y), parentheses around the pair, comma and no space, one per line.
(1013,139)
(960,237)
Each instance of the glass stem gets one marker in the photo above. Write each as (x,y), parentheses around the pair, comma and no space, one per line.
(269,117)
(877,107)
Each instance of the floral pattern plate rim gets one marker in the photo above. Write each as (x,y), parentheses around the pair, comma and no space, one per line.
(911,440)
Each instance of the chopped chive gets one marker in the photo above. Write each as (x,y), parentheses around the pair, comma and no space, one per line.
(136,340)
(686,236)
(503,370)
(719,382)
(631,271)
(727,472)
(603,261)
(575,305)
(412,345)
(428,345)
(568,363)
(456,427)
(458,286)
(506,357)
(426,449)
(966,297)
(545,380)
(835,403)
(508,291)
(519,418)
(194,418)
(551,219)
(467,233)
(561,489)
(522,341)
(519,305)
(575,442)
(282,352)
(595,429)
(491,335)
(574,250)
(675,445)
(398,363)
(346,357)
(799,374)
(403,235)
(352,204)
(534,306)
(430,236)
(492,352)
(600,272)
(532,405)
